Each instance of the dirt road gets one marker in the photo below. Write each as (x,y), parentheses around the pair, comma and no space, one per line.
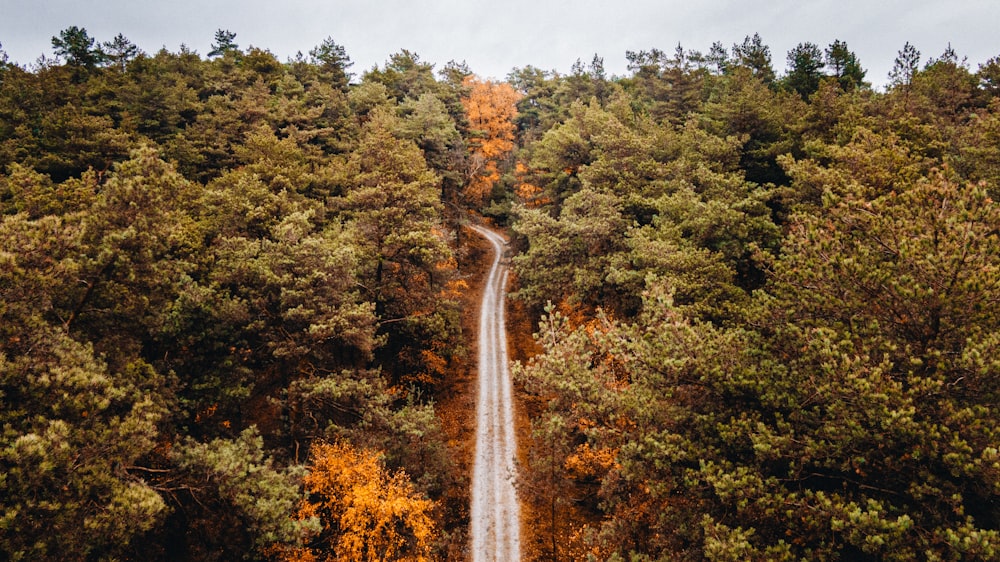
(495,525)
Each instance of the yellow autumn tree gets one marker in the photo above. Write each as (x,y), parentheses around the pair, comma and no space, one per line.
(490,108)
(366,512)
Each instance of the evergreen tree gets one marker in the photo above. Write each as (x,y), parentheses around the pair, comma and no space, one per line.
(718,56)
(405,75)
(756,56)
(845,66)
(78,48)
(225,42)
(805,63)
(905,67)
(120,51)
(334,62)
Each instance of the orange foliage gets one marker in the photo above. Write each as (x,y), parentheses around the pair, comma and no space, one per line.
(574,312)
(490,109)
(587,463)
(206,413)
(448,264)
(367,512)
(531,195)
(454,289)
(435,368)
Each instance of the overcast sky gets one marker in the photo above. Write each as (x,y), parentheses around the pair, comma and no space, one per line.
(494,36)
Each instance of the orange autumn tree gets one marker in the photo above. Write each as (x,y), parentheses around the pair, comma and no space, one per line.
(490,108)
(366,512)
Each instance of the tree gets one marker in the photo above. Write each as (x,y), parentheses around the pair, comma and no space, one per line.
(584,82)
(564,472)
(989,76)
(718,56)
(946,91)
(845,66)
(685,85)
(905,66)
(537,110)
(120,51)
(805,63)
(334,62)
(138,242)
(948,58)
(670,86)
(78,48)
(852,417)
(367,512)
(74,433)
(454,73)
(392,202)
(77,426)
(452,90)
(756,56)
(568,257)
(765,118)
(491,109)
(426,121)
(896,314)
(263,63)
(233,497)
(405,75)
(224,43)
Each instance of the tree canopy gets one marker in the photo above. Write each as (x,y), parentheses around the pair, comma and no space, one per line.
(232,291)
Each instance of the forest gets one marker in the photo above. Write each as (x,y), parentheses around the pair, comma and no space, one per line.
(756,312)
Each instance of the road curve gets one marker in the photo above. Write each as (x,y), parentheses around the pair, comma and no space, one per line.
(496,527)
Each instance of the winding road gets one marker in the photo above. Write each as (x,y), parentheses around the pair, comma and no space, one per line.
(496,530)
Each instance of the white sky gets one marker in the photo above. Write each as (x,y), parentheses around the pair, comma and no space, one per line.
(495,36)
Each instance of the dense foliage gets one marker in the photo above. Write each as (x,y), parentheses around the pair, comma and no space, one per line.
(766,303)
(771,328)
(208,267)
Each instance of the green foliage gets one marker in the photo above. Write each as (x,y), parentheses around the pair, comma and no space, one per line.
(845,67)
(404,75)
(153,313)
(119,52)
(805,62)
(841,405)
(569,256)
(225,43)
(773,334)
(333,62)
(649,197)
(672,87)
(73,431)
(300,284)
(989,76)
(537,109)
(393,202)
(77,47)
(356,406)
(905,66)
(754,55)
(235,480)
(765,120)
(426,121)
(853,416)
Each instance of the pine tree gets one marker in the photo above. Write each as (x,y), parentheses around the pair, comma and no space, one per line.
(905,66)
